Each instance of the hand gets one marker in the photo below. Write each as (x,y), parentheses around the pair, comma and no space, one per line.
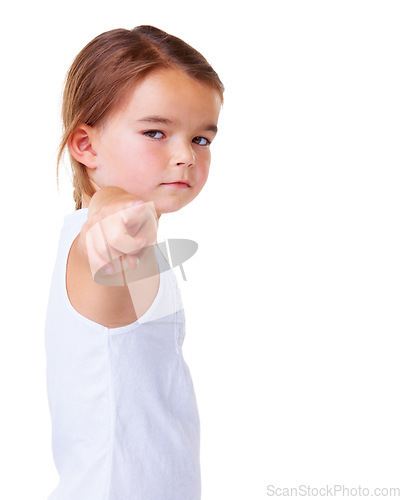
(118,229)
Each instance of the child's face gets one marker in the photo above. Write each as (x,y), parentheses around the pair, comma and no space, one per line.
(162,136)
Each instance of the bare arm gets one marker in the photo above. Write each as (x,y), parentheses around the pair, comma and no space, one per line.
(112,306)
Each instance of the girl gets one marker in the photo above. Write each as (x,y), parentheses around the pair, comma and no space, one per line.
(140,110)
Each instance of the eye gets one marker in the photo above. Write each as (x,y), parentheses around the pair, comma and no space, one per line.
(154,134)
(202,141)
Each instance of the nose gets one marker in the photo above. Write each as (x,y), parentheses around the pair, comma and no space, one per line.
(184,155)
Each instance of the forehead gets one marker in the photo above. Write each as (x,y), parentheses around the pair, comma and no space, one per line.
(173,93)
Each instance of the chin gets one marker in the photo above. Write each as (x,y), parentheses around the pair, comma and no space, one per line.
(170,206)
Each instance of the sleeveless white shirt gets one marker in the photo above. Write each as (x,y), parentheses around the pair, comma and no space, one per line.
(125,422)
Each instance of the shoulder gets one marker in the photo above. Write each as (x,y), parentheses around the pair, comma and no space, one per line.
(108,306)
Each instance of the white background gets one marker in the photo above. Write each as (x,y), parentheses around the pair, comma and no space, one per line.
(293,298)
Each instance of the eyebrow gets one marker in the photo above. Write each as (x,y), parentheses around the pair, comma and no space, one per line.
(167,121)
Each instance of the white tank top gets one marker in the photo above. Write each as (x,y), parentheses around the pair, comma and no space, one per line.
(125,422)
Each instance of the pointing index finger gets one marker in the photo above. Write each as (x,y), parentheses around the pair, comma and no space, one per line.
(129,215)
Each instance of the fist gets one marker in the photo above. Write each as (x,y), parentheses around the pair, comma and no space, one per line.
(116,242)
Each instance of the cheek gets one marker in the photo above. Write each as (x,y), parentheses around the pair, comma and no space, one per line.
(134,153)
(147,159)
(204,165)
(201,176)
(142,165)
(149,154)
(114,153)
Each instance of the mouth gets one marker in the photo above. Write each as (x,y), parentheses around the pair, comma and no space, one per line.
(179,184)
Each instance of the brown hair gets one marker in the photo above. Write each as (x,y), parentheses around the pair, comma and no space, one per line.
(104,72)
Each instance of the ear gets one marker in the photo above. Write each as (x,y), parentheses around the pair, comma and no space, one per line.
(80,145)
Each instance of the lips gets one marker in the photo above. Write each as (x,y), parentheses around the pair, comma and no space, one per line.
(177,184)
